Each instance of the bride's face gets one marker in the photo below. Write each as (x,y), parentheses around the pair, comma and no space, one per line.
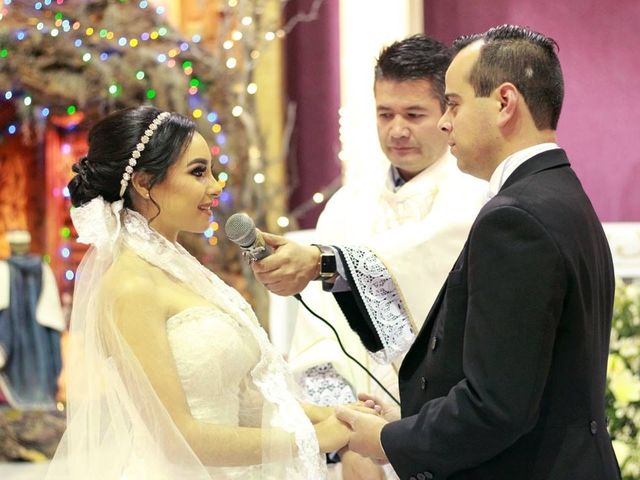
(186,194)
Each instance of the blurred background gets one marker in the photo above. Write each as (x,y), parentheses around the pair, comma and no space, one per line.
(283,92)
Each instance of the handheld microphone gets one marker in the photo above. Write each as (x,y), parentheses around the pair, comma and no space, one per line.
(241,230)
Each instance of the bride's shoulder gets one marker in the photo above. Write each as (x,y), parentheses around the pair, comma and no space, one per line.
(130,291)
(128,278)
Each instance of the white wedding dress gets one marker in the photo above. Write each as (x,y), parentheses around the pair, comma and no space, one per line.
(231,376)
(214,357)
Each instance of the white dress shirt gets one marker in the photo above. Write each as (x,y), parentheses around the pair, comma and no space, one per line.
(513,161)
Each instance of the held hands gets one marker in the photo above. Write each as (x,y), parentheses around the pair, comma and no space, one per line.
(317,413)
(289,268)
(389,412)
(366,426)
(332,434)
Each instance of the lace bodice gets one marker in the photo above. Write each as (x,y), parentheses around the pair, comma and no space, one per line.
(214,356)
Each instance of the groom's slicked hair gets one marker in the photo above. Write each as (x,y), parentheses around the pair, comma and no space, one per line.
(527,59)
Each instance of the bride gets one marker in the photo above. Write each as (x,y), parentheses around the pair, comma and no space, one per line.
(170,375)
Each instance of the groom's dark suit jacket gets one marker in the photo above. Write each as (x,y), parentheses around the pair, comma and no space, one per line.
(506,379)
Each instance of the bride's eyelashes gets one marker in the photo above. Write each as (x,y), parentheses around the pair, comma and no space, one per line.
(199,171)
(201,167)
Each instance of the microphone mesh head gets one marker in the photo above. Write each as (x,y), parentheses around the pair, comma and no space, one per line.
(240,229)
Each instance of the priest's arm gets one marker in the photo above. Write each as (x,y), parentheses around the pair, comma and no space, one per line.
(365,291)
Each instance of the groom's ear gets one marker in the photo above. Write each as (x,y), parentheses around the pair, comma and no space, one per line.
(141,182)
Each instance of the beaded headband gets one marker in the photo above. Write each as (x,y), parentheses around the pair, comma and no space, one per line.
(135,155)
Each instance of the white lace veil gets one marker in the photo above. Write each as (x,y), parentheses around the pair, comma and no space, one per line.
(117,427)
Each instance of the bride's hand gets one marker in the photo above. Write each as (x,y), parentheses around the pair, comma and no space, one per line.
(389,412)
(316,413)
(332,434)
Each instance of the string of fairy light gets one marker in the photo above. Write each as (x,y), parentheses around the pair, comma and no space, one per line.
(48,21)
(56,24)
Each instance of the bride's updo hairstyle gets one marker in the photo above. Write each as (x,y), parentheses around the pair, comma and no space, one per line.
(112,143)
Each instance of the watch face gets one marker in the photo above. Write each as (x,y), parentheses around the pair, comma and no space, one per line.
(327,264)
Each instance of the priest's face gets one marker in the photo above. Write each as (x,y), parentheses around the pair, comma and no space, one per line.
(407,118)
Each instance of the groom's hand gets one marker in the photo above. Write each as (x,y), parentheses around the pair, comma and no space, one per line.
(365,431)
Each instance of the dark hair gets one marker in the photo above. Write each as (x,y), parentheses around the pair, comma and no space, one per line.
(415,58)
(112,141)
(525,58)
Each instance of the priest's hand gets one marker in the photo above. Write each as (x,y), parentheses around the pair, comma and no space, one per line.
(365,432)
(289,268)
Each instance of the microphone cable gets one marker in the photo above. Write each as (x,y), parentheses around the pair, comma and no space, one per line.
(373,377)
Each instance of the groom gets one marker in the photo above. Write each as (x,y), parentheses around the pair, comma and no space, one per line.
(506,378)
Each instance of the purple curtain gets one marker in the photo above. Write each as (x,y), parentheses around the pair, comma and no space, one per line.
(598,51)
(312,62)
